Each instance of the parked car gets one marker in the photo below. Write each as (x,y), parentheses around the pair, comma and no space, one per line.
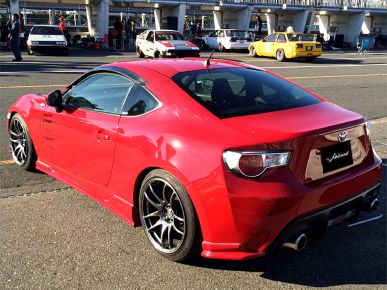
(164,43)
(227,39)
(282,46)
(212,156)
(46,38)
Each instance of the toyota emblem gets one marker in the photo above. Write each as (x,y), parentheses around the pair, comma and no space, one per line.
(342,136)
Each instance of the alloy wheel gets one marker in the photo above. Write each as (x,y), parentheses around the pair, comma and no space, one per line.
(18,141)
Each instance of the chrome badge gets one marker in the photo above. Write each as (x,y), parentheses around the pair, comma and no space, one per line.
(342,136)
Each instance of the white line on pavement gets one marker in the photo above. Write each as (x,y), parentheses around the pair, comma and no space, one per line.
(42,72)
(323,66)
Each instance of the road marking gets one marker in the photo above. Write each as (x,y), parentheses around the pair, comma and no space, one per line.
(34,86)
(335,76)
(323,66)
(11,161)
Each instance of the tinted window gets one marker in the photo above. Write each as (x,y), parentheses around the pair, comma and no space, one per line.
(239,91)
(281,38)
(271,38)
(150,36)
(235,33)
(139,102)
(46,30)
(101,92)
(168,36)
(301,37)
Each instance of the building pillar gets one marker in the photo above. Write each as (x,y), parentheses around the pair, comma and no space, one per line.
(51,16)
(218,23)
(157,13)
(299,22)
(180,11)
(323,22)
(310,20)
(271,20)
(244,17)
(367,25)
(98,17)
(354,27)
(14,6)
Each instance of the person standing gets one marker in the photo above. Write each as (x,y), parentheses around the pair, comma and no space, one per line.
(118,30)
(15,36)
(61,24)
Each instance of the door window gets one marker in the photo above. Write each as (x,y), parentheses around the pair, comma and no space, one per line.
(281,38)
(271,38)
(150,36)
(103,92)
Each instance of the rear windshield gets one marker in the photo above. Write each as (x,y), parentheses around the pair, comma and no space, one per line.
(231,92)
(46,30)
(301,37)
(168,36)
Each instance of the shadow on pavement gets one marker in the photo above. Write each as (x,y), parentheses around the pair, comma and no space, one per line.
(344,256)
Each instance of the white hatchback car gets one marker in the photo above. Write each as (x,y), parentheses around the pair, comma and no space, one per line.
(164,43)
(227,39)
(46,38)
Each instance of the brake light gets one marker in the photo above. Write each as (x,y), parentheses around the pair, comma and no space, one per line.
(318,45)
(299,45)
(253,164)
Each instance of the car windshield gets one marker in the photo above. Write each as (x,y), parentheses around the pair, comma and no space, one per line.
(301,37)
(169,36)
(235,33)
(46,30)
(231,92)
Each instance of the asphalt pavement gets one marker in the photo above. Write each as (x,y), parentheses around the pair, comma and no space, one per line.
(51,236)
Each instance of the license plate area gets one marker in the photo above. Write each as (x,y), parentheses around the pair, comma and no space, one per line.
(336,156)
(309,48)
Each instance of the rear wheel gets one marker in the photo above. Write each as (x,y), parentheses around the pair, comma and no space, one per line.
(168,216)
(22,149)
(280,55)
(157,54)
(203,45)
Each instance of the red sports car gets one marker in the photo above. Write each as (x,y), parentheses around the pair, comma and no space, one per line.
(215,156)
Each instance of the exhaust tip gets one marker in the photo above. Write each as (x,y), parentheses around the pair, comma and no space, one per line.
(374,205)
(298,244)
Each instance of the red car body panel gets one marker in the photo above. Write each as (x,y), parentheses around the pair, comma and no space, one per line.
(106,156)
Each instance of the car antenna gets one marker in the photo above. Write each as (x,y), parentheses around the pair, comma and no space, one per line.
(207,63)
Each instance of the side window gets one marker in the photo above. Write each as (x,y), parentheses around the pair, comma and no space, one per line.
(271,38)
(104,92)
(150,36)
(139,102)
(281,38)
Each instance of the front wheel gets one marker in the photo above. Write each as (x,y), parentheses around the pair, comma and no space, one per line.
(168,216)
(22,149)
(221,47)
(139,53)
(29,51)
(253,52)
(280,55)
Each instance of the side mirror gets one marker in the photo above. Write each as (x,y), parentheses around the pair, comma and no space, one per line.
(54,99)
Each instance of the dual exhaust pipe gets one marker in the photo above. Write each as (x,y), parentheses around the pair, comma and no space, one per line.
(300,241)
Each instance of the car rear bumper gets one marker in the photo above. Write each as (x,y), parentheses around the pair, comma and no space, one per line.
(256,217)
(46,47)
(237,45)
(306,54)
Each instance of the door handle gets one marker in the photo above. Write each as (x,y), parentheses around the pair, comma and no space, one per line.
(102,136)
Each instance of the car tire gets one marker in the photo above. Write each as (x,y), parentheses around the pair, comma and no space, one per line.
(29,51)
(139,52)
(168,216)
(280,55)
(157,54)
(252,52)
(221,47)
(22,148)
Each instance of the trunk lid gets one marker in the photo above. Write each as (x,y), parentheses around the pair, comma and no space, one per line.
(306,132)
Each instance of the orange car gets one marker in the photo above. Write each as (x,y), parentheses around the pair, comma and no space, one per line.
(283,45)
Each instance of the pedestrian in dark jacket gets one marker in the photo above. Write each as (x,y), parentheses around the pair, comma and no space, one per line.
(14,37)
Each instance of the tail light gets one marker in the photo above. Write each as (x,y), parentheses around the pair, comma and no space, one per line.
(318,45)
(299,45)
(253,164)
